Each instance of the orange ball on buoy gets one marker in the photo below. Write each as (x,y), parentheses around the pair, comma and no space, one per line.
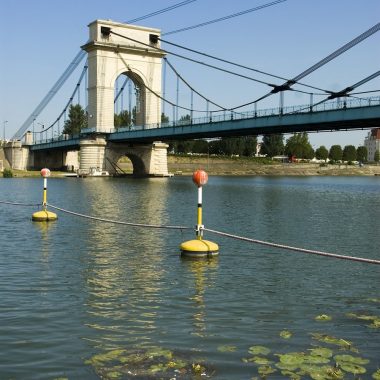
(200,177)
(45,172)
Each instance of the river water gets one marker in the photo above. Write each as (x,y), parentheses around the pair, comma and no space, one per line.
(84,299)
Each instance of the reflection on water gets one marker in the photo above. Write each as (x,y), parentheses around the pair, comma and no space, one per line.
(120,289)
(203,275)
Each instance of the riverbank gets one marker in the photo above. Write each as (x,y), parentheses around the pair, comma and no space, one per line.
(186,165)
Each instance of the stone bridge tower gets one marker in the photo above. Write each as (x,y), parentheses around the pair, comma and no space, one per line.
(110,55)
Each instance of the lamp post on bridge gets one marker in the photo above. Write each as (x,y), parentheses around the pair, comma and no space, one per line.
(33,130)
(43,127)
(4,123)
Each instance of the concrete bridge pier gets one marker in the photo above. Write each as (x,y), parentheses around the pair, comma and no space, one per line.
(92,154)
(18,155)
(148,160)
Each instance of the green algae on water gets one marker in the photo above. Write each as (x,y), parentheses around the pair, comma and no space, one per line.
(323,318)
(227,348)
(285,334)
(258,350)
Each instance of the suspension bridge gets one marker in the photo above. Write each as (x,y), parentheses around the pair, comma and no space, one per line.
(124,60)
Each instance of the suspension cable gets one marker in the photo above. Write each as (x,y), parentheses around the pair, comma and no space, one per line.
(164,51)
(238,65)
(50,95)
(71,97)
(287,85)
(227,17)
(345,92)
(166,100)
(192,88)
(180,4)
(338,52)
(121,89)
(207,65)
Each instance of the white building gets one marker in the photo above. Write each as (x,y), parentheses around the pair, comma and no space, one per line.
(372,143)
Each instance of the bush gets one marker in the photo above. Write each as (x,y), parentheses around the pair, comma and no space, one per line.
(7,173)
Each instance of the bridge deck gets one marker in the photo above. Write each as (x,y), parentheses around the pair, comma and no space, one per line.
(237,124)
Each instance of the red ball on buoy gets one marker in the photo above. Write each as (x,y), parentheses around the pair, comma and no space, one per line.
(200,177)
(45,172)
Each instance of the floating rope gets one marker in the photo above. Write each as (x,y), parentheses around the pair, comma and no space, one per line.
(303,250)
(119,222)
(255,241)
(20,204)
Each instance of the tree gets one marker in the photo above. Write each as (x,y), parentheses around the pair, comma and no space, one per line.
(377,156)
(164,118)
(184,146)
(272,145)
(185,119)
(322,153)
(122,119)
(125,118)
(215,147)
(349,153)
(249,146)
(200,146)
(362,154)
(77,120)
(298,145)
(336,153)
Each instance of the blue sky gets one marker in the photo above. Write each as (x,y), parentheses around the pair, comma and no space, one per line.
(40,38)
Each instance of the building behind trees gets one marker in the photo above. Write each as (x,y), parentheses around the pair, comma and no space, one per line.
(372,143)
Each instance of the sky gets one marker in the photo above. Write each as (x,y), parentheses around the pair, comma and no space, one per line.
(40,38)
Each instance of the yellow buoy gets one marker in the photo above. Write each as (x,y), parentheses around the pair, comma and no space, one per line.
(44,215)
(199,247)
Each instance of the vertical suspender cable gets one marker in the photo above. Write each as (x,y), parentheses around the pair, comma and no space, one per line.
(164,87)
(311,102)
(86,88)
(130,100)
(192,107)
(177,99)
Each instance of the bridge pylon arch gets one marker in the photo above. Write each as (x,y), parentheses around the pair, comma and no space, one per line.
(110,55)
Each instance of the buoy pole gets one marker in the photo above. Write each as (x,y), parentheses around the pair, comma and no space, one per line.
(44,196)
(199,247)
(44,215)
(199,230)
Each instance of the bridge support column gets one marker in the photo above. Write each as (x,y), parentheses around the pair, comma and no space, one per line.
(148,160)
(158,165)
(17,155)
(92,154)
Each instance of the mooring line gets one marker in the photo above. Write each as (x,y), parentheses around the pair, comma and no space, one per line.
(119,222)
(21,204)
(288,247)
